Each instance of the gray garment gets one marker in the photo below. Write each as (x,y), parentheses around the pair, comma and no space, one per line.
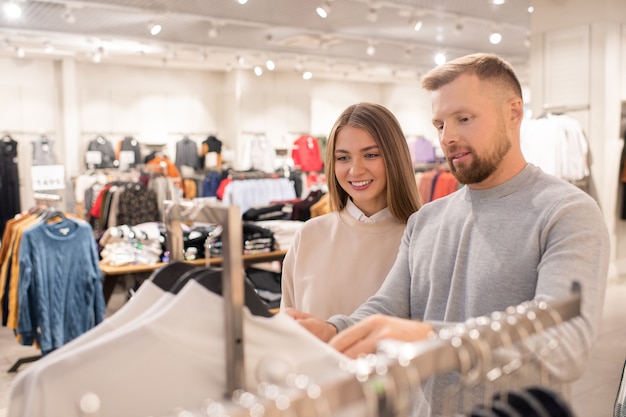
(187,154)
(478,251)
(43,154)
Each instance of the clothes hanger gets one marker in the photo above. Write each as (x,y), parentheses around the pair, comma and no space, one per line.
(52,214)
(166,276)
(211,279)
(526,404)
(551,400)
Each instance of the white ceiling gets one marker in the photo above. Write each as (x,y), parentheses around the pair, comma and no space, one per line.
(287,31)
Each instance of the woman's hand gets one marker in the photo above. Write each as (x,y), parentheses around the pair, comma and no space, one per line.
(320,328)
(363,337)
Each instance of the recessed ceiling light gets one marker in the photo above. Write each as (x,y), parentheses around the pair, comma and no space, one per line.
(495,38)
(154,28)
(323,11)
(12,10)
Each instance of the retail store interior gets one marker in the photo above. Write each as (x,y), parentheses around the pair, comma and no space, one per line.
(76,74)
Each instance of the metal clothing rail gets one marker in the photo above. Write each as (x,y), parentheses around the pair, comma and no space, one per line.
(229,218)
(386,394)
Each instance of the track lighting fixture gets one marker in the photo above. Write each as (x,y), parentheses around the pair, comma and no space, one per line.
(270,65)
(371,49)
(12,10)
(154,28)
(440,58)
(323,10)
(307,75)
(20,52)
(48,47)
(258,71)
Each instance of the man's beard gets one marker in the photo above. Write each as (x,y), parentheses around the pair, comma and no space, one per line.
(481,167)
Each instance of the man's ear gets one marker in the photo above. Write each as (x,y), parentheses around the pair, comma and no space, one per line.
(516,109)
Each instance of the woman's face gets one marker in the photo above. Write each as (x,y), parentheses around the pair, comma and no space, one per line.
(360,169)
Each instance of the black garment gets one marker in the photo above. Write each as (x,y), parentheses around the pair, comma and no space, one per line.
(102,145)
(129,144)
(9,181)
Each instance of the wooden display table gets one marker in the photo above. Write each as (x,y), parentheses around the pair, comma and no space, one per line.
(112,273)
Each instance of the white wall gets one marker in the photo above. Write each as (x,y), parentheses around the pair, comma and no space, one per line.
(73,101)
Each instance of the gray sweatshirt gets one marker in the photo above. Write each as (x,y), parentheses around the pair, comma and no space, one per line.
(478,251)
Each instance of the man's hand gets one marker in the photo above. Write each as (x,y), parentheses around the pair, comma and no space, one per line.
(320,328)
(363,337)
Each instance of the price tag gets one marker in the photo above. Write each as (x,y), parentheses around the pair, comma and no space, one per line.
(48,177)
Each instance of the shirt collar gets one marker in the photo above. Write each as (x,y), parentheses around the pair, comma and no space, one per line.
(356,212)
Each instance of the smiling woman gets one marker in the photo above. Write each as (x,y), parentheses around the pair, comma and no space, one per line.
(372,192)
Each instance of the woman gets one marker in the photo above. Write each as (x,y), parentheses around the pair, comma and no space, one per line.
(338,260)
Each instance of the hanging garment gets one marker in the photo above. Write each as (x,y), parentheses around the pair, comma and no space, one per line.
(60,283)
(211,152)
(187,154)
(306,154)
(42,151)
(170,356)
(105,155)
(9,181)
(128,152)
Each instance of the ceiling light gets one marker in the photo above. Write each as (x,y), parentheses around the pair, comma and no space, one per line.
(154,28)
(440,58)
(48,47)
(11,10)
(498,2)
(531,9)
(241,1)
(495,37)
(20,52)
(258,71)
(416,24)
(240,60)
(307,75)
(270,65)
(371,50)
(323,11)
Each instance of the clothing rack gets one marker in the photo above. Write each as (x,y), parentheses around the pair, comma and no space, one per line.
(407,364)
(229,218)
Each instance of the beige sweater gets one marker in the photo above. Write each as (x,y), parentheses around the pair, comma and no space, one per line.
(336,262)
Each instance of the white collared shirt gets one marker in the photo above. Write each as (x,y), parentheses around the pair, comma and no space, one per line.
(356,212)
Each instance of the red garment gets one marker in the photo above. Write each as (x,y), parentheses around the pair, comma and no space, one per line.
(306,154)
(94,213)
(445,184)
(220,189)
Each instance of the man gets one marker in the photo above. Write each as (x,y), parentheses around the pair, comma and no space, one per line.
(512,234)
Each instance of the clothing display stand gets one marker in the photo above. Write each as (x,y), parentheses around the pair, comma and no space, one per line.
(405,365)
(229,218)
